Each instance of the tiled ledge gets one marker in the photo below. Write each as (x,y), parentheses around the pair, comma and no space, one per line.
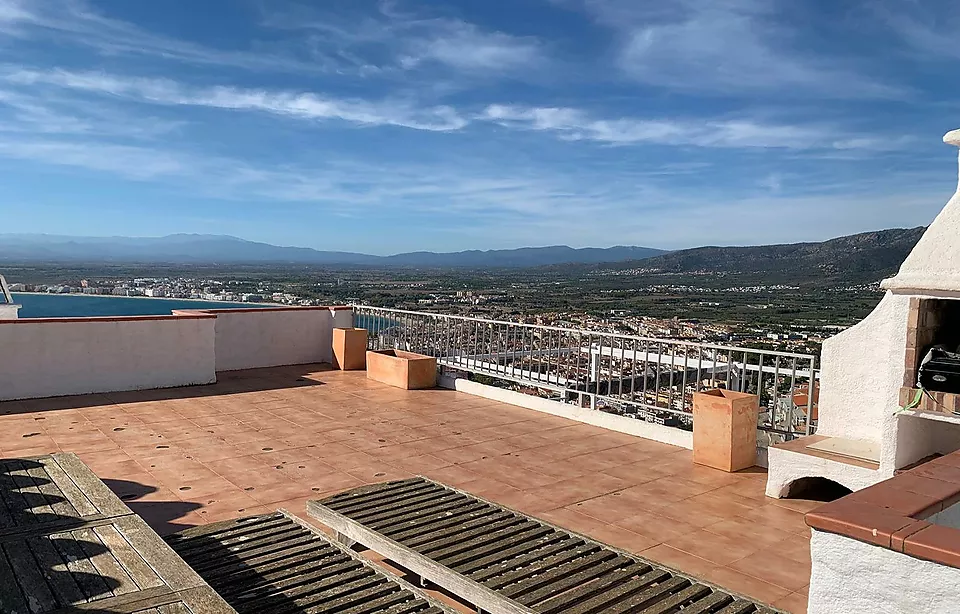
(935,402)
(892,514)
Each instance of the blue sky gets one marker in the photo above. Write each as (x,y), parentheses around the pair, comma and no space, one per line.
(404,125)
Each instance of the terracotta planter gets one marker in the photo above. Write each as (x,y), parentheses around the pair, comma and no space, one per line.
(725,429)
(350,349)
(402,369)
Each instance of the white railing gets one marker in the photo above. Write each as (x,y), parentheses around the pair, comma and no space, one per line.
(5,292)
(641,377)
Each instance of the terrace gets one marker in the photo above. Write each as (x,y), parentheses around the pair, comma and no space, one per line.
(204,416)
(262,439)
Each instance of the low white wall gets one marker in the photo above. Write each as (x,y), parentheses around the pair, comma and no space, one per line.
(9,311)
(851,577)
(784,467)
(270,337)
(64,356)
(630,426)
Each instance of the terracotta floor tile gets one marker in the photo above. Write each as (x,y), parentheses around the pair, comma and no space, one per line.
(328,431)
(679,560)
(746,585)
(774,568)
(717,549)
(794,603)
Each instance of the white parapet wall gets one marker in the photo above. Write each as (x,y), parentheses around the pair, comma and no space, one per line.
(613,422)
(65,356)
(852,577)
(270,337)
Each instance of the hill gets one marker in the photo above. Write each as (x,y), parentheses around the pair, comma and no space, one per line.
(208,249)
(859,258)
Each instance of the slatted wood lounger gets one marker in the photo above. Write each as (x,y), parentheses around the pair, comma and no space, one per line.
(504,562)
(68,544)
(276,563)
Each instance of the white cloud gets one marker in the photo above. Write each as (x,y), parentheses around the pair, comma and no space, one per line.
(574,124)
(302,105)
(732,47)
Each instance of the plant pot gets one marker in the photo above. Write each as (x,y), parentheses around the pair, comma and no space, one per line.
(402,369)
(350,349)
(725,429)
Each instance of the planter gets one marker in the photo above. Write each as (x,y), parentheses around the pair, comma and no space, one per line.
(402,369)
(725,429)
(350,349)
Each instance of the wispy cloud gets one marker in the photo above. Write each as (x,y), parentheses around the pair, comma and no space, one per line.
(565,123)
(406,39)
(302,105)
(730,47)
(575,124)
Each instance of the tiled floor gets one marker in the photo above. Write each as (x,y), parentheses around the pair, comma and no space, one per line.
(270,438)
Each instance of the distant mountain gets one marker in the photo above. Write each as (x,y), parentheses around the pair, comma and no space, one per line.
(866,257)
(205,249)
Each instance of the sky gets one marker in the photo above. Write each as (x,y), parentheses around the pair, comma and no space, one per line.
(401,125)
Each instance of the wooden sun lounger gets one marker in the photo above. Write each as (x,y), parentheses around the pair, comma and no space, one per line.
(504,562)
(277,563)
(68,544)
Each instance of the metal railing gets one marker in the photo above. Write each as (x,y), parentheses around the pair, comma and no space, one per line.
(641,377)
(5,295)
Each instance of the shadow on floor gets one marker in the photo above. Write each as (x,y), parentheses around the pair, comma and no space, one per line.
(160,515)
(228,382)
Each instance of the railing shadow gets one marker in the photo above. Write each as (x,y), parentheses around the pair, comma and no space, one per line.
(40,573)
(160,515)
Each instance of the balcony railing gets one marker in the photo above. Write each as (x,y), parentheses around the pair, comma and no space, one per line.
(5,297)
(640,377)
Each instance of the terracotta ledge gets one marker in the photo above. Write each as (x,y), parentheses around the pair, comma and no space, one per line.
(195,315)
(892,514)
(270,309)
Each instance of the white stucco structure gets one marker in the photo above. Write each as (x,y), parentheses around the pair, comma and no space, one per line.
(852,577)
(863,371)
(9,311)
(66,356)
(613,422)
(269,337)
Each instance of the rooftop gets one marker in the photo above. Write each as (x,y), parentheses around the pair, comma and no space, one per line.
(263,439)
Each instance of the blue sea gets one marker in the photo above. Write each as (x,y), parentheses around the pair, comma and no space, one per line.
(83,306)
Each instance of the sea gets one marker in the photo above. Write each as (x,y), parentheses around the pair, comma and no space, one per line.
(85,306)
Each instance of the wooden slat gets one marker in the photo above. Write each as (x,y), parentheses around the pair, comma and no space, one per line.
(91,584)
(505,562)
(260,575)
(11,599)
(56,499)
(71,492)
(105,562)
(106,502)
(61,581)
(132,562)
(30,578)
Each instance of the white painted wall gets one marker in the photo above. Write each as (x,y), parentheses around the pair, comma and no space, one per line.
(255,338)
(862,373)
(621,424)
(851,577)
(9,311)
(784,467)
(56,357)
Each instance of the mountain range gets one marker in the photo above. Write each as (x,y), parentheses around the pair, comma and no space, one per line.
(205,249)
(864,255)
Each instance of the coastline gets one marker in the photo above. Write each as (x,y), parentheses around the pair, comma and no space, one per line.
(151,298)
